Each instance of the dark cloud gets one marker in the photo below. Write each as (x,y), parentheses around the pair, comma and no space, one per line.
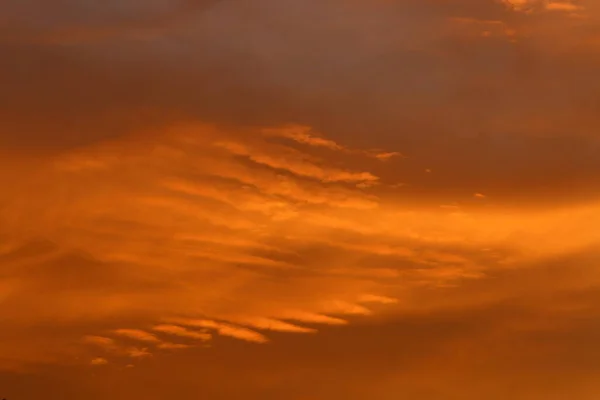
(484,110)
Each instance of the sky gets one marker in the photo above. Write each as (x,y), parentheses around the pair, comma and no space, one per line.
(302,200)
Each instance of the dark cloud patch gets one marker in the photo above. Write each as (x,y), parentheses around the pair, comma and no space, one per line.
(389,75)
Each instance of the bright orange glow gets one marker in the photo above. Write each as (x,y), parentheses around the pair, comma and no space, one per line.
(302,200)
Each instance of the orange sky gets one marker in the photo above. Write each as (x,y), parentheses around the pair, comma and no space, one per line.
(302,200)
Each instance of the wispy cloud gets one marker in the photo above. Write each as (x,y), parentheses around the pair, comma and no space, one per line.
(238,189)
(104,342)
(99,361)
(274,261)
(137,334)
(173,346)
(270,324)
(181,331)
(305,135)
(224,329)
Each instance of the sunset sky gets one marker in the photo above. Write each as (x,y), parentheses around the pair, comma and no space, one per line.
(299,199)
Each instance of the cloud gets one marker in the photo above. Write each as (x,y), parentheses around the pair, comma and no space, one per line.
(173,346)
(104,342)
(304,135)
(114,348)
(239,185)
(137,334)
(289,160)
(271,324)
(371,298)
(135,352)
(181,331)
(313,318)
(519,5)
(531,5)
(226,330)
(562,6)
(145,238)
(99,361)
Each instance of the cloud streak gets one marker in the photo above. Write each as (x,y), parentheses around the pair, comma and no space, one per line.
(140,211)
(364,187)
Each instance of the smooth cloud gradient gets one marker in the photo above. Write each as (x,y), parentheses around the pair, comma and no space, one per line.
(333,199)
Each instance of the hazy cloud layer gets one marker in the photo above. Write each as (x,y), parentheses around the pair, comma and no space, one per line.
(185,180)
